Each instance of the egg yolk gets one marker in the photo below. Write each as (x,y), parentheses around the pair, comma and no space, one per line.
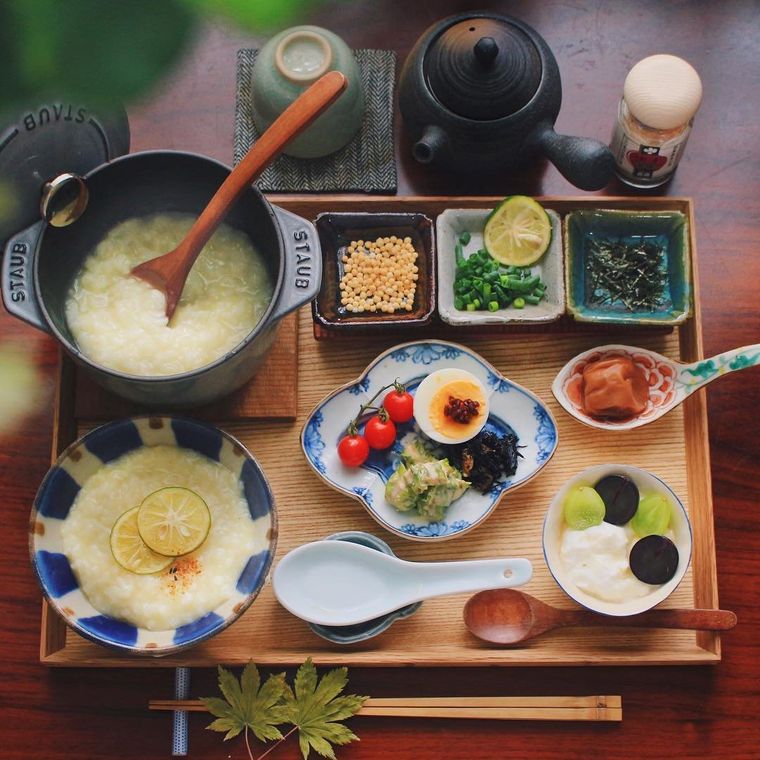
(447,425)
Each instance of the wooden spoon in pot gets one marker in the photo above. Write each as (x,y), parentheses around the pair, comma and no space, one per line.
(168,273)
(508,616)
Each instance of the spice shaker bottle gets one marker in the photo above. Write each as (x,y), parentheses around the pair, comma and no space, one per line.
(661,94)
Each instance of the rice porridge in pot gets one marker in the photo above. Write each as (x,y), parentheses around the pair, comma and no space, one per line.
(119,321)
(191,585)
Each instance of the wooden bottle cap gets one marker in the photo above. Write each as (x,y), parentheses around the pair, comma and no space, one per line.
(663,91)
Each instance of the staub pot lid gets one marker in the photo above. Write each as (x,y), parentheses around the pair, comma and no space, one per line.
(483,68)
(42,142)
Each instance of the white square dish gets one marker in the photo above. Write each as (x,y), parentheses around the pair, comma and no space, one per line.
(450,224)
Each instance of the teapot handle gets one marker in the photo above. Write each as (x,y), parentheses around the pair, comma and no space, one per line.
(585,162)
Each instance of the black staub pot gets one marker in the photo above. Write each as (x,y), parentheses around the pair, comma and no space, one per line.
(41,262)
(480,92)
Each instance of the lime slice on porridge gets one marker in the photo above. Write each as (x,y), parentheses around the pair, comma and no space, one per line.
(173,521)
(130,551)
(518,231)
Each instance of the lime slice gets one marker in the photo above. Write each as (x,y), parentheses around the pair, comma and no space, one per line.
(173,521)
(130,551)
(583,508)
(518,231)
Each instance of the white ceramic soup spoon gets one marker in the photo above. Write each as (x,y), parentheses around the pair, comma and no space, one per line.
(339,583)
(670,382)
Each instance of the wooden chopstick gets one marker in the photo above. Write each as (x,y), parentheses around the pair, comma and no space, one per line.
(596,708)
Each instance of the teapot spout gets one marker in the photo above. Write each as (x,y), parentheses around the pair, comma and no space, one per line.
(588,164)
(432,142)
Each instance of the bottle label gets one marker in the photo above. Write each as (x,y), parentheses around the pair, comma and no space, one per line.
(646,163)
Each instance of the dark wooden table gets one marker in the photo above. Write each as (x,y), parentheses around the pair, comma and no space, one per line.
(677,712)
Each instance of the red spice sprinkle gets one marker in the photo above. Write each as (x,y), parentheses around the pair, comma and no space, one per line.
(461,410)
(181,573)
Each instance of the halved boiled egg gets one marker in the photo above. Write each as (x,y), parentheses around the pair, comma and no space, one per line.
(451,406)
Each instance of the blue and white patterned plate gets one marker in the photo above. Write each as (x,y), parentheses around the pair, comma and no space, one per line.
(86,456)
(512,407)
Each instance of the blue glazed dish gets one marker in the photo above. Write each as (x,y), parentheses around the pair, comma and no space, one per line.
(352,634)
(84,458)
(512,409)
(669,229)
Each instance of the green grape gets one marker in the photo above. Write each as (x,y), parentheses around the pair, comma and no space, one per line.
(652,517)
(583,508)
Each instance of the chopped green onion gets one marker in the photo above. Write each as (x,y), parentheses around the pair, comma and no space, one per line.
(480,282)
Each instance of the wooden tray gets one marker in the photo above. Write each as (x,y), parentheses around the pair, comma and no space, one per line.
(675,448)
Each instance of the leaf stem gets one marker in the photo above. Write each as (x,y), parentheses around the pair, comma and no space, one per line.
(247,745)
(353,425)
(275,745)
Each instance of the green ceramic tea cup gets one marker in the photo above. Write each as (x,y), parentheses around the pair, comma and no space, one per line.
(286,65)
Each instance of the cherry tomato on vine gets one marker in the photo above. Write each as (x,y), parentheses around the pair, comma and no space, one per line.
(353,450)
(399,405)
(380,431)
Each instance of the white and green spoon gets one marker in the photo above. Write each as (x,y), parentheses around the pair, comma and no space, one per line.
(670,382)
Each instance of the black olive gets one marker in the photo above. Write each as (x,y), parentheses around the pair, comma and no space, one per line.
(654,560)
(620,497)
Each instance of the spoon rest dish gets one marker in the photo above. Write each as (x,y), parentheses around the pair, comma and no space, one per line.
(352,634)
(512,407)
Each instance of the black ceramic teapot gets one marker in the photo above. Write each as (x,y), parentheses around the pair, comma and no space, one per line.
(480,92)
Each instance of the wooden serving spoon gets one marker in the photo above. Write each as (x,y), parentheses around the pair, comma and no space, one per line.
(507,616)
(168,273)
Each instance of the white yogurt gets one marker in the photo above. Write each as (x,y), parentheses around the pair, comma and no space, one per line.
(596,561)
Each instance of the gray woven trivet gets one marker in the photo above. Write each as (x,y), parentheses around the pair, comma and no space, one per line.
(366,164)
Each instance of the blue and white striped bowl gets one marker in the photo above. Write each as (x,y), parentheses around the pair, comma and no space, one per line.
(511,408)
(86,456)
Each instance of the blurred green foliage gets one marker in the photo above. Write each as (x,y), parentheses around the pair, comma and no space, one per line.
(21,387)
(104,52)
(256,15)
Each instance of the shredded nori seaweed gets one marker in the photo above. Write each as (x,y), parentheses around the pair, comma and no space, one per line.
(626,271)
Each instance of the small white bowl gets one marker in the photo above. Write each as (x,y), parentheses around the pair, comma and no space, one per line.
(450,224)
(554,524)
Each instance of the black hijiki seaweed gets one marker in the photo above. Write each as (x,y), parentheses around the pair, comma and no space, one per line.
(485,458)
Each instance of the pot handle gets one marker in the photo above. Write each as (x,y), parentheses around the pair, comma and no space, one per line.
(19,295)
(587,163)
(303,263)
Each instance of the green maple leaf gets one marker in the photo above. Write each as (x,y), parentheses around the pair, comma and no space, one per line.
(248,704)
(315,708)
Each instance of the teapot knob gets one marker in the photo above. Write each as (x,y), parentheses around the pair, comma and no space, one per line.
(486,51)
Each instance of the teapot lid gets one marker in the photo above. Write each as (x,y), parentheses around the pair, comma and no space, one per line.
(483,68)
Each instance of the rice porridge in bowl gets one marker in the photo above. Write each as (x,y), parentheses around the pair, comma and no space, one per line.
(119,321)
(105,546)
